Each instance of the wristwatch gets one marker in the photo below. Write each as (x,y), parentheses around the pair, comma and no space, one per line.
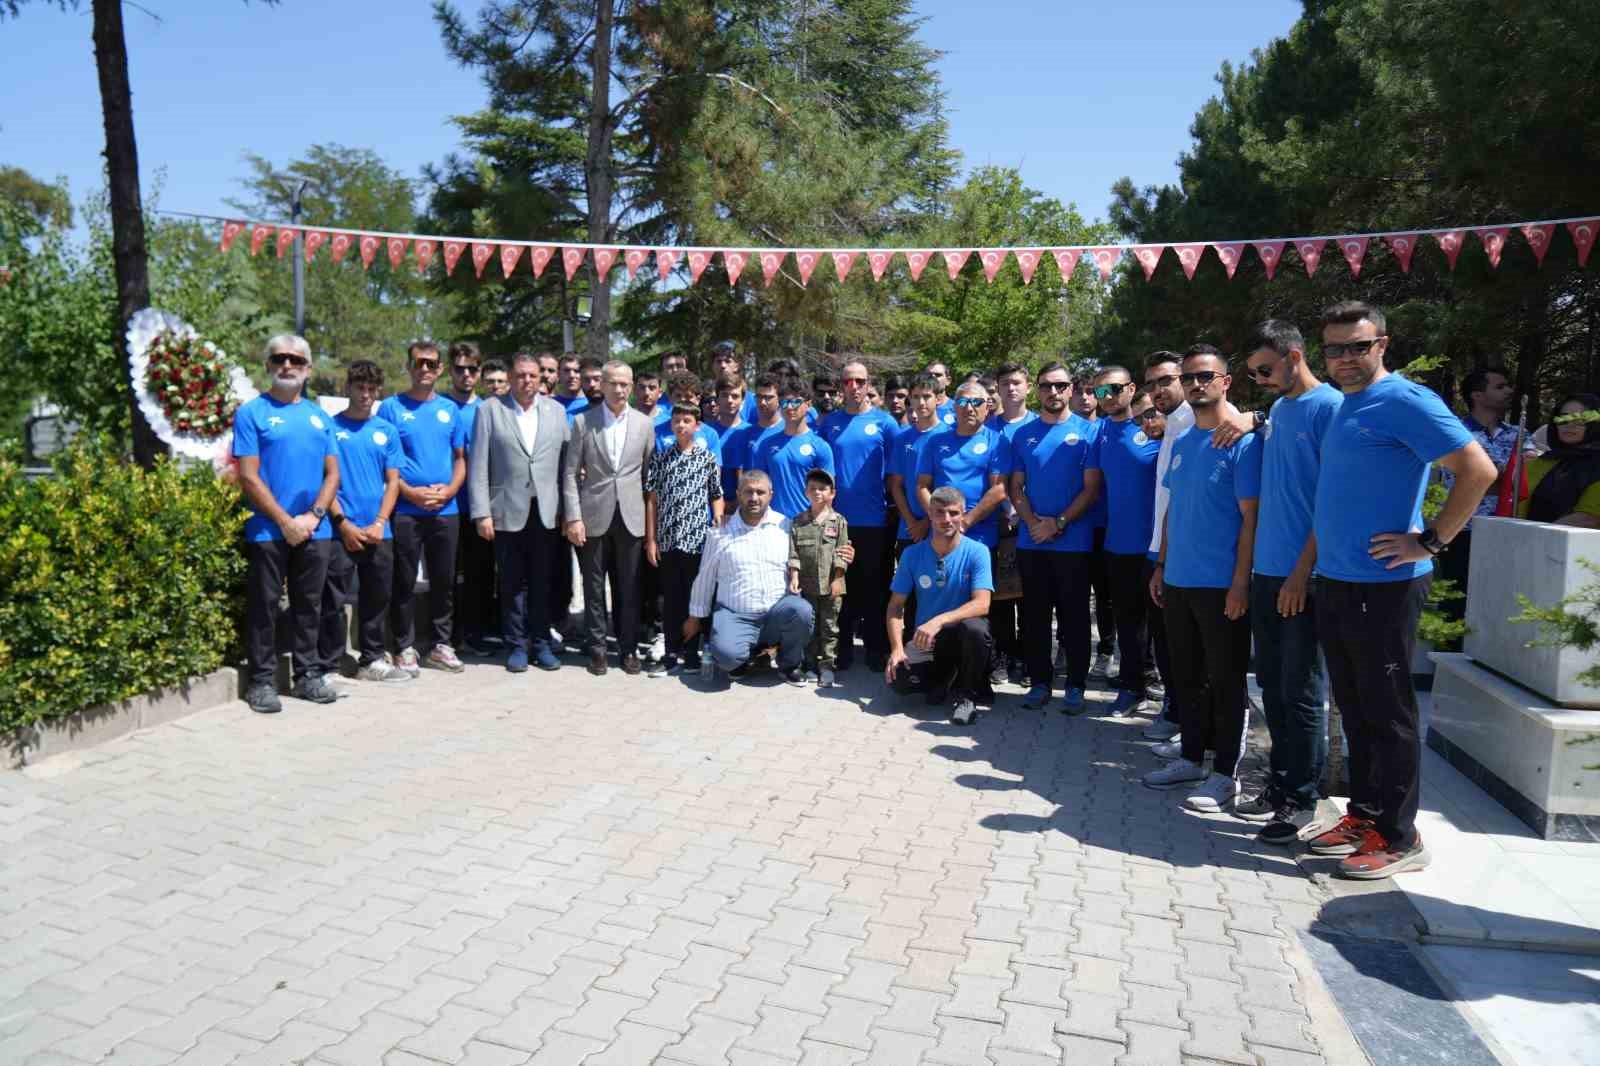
(319,513)
(337,520)
(1261,418)
(1429,539)
(1061,522)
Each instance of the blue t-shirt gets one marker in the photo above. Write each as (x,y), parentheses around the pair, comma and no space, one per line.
(575,406)
(368,450)
(1099,513)
(703,433)
(999,424)
(967,463)
(862,446)
(1374,471)
(738,453)
(1291,452)
(567,401)
(747,410)
(907,459)
(1128,460)
(1203,516)
(965,570)
(787,460)
(1052,460)
(291,440)
(947,412)
(430,431)
(468,413)
(663,409)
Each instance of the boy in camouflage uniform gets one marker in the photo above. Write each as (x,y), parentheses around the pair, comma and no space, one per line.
(819,551)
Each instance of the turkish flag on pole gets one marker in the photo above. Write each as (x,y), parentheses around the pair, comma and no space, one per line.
(955,259)
(1583,234)
(339,246)
(1402,245)
(452,255)
(1105,260)
(230,230)
(258,233)
(1538,238)
(286,238)
(1066,262)
(1027,262)
(666,261)
(1229,253)
(369,250)
(770,262)
(1148,255)
(603,260)
(1310,254)
(397,251)
(733,263)
(571,260)
(1494,242)
(879,262)
(992,259)
(1189,257)
(1450,244)
(842,262)
(1271,253)
(1513,481)
(806,262)
(509,254)
(632,260)
(698,261)
(916,261)
(424,254)
(539,257)
(482,252)
(314,239)
(1355,250)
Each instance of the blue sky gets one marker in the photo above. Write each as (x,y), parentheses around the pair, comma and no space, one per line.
(1074,93)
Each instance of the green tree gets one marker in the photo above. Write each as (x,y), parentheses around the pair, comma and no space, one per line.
(48,204)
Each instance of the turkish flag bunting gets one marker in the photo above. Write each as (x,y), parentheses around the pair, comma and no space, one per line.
(1310,254)
(539,257)
(632,260)
(916,261)
(666,261)
(806,262)
(482,252)
(770,262)
(1583,234)
(339,246)
(879,262)
(1148,255)
(1066,262)
(1027,262)
(1189,257)
(1494,242)
(230,230)
(698,261)
(1402,245)
(733,263)
(1538,238)
(1355,250)
(571,260)
(1450,244)
(314,239)
(992,259)
(955,259)
(1229,253)
(842,262)
(509,254)
(369,250)
(424,254)
(286,238)
(1105,260)
(258,233)
(397,251)
(452,255)
(1271,253)
(603,260)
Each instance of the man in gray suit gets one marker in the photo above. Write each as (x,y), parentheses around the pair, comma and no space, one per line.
(517,449)
(603,497)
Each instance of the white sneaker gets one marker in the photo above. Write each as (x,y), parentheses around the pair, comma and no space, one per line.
(407,661)
(1172,749)
(382,670)
(1101,668)
(1161,729)
(1216,794)
(1175,773)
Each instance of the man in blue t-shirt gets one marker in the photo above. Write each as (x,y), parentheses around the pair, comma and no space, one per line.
(973,458)
(1202,584)
(943,405)
(569,383)
(683,390)
(1054,481)
(862,439)
(1374,569)
(427,520)
(362,568)
(288,473)
(922,425)
(740,444)
(1011,383)
(953,579)
(477,607)
(789,456)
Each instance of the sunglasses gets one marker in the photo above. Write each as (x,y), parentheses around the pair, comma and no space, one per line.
(970,401)
(425,364)
(1147,414)
(791,403)
(854,381)
(462,368)
(1198,377)
(1347,351)
(940,576)
(287,359)
(1262,373)
(1163,382)
(1054,386)
(1105,392)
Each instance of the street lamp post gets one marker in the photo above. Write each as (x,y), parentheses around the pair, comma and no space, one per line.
(299,261)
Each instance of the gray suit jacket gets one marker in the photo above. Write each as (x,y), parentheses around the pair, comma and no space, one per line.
(505,475)
(594,490)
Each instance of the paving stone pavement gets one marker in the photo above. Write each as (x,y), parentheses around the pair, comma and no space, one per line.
(490,870)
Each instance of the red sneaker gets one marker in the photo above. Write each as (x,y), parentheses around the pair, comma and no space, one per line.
(1377,858)
(1343,839)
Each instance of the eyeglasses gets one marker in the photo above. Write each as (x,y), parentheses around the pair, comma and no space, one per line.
(425,364)
(1147,414)
(1054,386)
(462,368)
(1262,373)
(287,359)
(1105,392)
(1349,351)
(1163,382)
(940,576)
(1198,377)
(970,401)
(791,403)
(854,381)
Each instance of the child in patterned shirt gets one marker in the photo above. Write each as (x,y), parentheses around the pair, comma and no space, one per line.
(683,477)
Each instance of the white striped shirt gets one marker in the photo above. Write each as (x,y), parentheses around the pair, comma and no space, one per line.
(1179,422)
(746,567)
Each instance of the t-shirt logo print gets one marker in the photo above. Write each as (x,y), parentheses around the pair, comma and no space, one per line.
(316,422)
(1140,439)
(380,438)
(1177,461)
(925,581)
(1073,438)
(979,448)
(806,449)
(274,420)
(871,430)
(444,416)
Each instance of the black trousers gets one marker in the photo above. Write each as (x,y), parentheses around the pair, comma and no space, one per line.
(477,599)
(676,576)
(525,558)
(867,595)
(1209,651)
(1368,633)
(960,664)
(1453,566)
(431,538)
(1003,624)
(365,579)
(1156,619)
(268,563)
(1105,619)
(560,590)
(649,593)
(616,554)
(1131,607)
(1055,583)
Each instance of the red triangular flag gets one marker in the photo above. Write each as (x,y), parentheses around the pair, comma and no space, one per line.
(1310,254)
(1450,244)
(397,250)
(770,262)
(666,260)
(571,260)
(1148,255)
(339,246)
(1494,242)
(1027,262)
(698,261)
(1066,262)
(1271,253)
(1229,252)
(482,252)
(258,233)
(632,260)
(369,250)
(230,230)
(1105,260)
(842,262)
(539,257)
(1513,482)
(879,262)
(806,262)
(916,261)
(1538,238)
(424,254)
(603,260)
(733,263)
(1189,257)
(509,254)
(1355,250)
(992,259)
(1402,245)
(286,238)
(955,259)
(452,255)
(314,239)
(1583,234)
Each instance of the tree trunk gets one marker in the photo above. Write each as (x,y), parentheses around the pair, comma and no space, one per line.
(597,177)
(1534,343)
(127,209)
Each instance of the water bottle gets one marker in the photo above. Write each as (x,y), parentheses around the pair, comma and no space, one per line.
(708,669)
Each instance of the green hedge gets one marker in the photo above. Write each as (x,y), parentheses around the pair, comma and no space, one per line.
(113,581)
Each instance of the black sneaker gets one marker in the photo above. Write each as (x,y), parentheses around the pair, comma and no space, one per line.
(795,675)
(263,698)
(314,689)
(1290,824)
(963,711)
(1262,807)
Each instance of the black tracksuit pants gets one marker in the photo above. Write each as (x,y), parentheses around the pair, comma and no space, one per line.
(1210,658)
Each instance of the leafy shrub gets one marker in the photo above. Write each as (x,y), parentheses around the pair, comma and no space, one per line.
(113,581)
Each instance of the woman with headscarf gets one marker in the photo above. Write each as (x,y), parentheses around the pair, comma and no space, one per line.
(1564,482)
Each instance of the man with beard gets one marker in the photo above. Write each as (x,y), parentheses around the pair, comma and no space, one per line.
(825,393)
(788,456)
(1011,389)
(896,397)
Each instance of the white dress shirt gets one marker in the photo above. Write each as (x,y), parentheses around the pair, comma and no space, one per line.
(1179,422)
(746,566)
(614,433)
(527,422)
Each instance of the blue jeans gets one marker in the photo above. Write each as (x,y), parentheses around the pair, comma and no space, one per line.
(1293,692)
(734,634)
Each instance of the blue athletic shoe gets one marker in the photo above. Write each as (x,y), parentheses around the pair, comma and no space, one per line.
(517,661)
(545,658)
(1037,697)
(1072,702)
(1126,703)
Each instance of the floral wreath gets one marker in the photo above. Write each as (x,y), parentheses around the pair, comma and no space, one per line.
(187,388)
